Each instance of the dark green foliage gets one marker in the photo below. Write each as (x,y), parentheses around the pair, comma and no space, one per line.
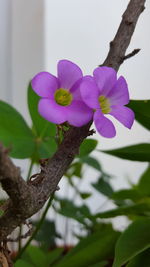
(47,234)
(138,152)
(135,239)
(141,109)
(95,248)
(15,133)
(87,147)
(103,186)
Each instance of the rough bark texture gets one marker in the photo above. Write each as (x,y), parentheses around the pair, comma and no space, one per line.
(28,198)
(124,34)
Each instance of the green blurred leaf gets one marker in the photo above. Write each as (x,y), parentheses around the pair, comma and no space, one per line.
(54,255)
(138,152)
(131,194)
(46,147)
(141,209)
(47,235)
(144,183)
(15,133)
(142,111)
(142,259)
(91,250)
(45,131)
(22,263)
(70,210)
(101,230)
(36,256)
(75,169)
(103,187)
(92,162)
(87,147)
(100,264)
(85,195)
(135,239)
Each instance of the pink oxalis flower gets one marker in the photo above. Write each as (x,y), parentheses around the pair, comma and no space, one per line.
(106,95)
(60,97)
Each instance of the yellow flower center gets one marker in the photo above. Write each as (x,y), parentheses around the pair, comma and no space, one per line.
(104,104)
(63,97)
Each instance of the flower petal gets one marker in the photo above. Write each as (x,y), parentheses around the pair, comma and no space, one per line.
(79,114)
(90,93)
(119,95)
(51,111)
(75,90)
(123,114)
(45,84)
(103,125)
(68,73)
(105,78)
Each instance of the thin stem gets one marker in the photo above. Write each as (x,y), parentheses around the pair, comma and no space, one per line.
(37,227)
(20,241)
(30,169)
(66,219)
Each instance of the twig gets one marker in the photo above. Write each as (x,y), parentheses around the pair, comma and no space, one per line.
(124,34)
(133,53)
(20,237)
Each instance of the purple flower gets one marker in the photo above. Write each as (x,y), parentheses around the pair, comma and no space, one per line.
(60,97)
(107,95)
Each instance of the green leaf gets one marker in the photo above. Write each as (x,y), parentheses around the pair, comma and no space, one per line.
(70,210)
(100,264)
(15,133)
(141,109)
(91,250)
(22,263)
(135,239)
(92,162)
(103,187)
(141,209)
(85,195)
(54,255)
(46,147)
(75,169)
(138,152)
(47,235)
(131,194)
(45,131)
(142,259)
(37,256)
(87,147)
(144,183)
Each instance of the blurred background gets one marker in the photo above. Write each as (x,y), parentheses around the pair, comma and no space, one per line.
(36,34)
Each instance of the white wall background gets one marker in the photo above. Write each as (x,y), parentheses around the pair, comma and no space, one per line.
(5,50)
(36,34)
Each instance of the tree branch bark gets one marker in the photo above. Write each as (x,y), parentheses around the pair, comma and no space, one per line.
(124,34)
(28,198)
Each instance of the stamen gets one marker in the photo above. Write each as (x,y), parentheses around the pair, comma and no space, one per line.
(104,104)
(63,97)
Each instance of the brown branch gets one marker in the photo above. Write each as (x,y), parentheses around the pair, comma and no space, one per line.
(11,180)
(124,34)
(132,54)
(28,198)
